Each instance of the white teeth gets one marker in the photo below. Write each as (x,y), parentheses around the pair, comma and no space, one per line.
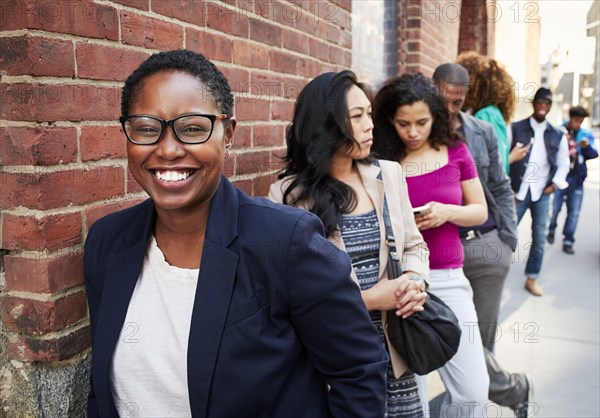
(172,175)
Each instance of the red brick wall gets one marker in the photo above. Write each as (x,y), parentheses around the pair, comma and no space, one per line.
(62,154)
(478,19)
(427,34)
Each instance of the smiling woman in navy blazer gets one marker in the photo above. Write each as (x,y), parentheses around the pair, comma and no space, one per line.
(205,302)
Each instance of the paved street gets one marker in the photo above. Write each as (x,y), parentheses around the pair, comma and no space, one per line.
(556,338)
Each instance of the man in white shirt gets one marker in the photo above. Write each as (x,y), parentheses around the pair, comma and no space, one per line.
(543,170)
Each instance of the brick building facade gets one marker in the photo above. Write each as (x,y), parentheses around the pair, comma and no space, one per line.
(62,154)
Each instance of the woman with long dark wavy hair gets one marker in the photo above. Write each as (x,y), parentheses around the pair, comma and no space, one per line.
(412,128)
(329,172)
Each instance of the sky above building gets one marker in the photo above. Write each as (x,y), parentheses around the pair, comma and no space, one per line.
(564,27)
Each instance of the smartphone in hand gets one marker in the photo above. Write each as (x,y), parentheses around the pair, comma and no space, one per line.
(421,210)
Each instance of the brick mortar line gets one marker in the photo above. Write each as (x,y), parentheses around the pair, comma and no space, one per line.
(45,297)
(52,335)
(269,71)
(58,81)
(269,98)
(57,168)
(40,213)
(262,123)
(252,176)
(5,123)
(76,39)
(47,255)
(74,360)
(241,151)
(245,13)
(184,24)
(68,210)
(120,45)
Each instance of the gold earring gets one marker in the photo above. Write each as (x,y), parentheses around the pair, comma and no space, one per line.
(226,153)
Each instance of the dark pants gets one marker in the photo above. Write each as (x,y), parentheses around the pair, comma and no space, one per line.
(573,195)
(486,265)
(539,218)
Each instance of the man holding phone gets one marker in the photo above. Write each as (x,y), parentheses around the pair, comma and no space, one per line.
(537,176)
(488,247)
(581,149)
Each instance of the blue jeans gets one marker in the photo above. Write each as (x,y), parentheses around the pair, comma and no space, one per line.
(539,218)
(574,197)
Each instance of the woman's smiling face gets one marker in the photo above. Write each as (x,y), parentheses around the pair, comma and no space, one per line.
(178,176)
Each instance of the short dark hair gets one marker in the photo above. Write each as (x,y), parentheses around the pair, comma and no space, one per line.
(578,111)
(401,91)
(181,60)
(542,94)
(451,73)
(320,127)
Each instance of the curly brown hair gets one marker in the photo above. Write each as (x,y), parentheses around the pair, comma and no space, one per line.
(489,84)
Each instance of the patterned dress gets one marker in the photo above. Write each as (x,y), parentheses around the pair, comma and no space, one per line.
(361,237)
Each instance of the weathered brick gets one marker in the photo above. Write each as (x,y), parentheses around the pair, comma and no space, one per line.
(295,41)
(318,49)
(224,19)
(191,11)
(93,213)
(261,185)
(281,110)
(32,348)
(213,47)
(265,32)
(269,135)
(43,274)
(37,234)
(32,316)
(54,102)
(138,4)
(100,62)
(149,32)
(75,17)
(252,162)
(100,142)
(25,55)
(243,137)
(283,62)
(238,78)
(250,55)
(37,146)
(60,189)
(336,55)
(250,108)
(265,85)
(244,185)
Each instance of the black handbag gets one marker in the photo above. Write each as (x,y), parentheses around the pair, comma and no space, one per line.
(426,340)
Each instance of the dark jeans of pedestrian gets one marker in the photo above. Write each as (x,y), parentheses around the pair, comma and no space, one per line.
(573,195)
(539,219)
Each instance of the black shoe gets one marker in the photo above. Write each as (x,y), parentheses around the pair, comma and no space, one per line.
(568,249)
(550,237)
(522,409)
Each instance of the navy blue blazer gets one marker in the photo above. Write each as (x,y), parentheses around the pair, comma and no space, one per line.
(276,316)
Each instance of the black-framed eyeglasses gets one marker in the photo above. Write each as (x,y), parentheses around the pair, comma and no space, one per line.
(193,128)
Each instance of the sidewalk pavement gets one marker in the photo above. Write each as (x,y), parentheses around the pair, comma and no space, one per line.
(555,338)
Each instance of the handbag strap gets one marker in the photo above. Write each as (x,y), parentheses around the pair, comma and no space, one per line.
(389,233)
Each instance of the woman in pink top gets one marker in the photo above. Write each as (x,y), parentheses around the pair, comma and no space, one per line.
(411,126)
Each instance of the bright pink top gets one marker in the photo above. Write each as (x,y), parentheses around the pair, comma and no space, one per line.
(443,185)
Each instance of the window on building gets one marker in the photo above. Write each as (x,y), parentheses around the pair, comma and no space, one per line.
(374,40)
